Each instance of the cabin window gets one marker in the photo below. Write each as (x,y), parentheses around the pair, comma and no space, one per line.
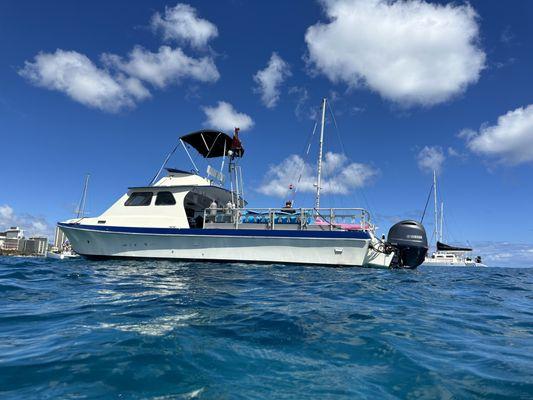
(139,199)
(165,199)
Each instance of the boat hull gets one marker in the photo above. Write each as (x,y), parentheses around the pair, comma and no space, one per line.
(61,256)
(317,248)
(456,264)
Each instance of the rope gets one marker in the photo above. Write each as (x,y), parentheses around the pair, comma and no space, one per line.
(358,191)
(336,128)
(427,202)
(306,151)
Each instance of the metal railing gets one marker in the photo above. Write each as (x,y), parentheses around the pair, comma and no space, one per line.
(285,218)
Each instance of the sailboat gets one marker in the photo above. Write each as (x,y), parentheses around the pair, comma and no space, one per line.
(446,255)
(62,251)
(186,216)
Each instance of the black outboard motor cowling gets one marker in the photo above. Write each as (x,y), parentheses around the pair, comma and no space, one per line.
(410,242)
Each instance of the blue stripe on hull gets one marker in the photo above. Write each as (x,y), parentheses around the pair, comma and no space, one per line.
(223,232)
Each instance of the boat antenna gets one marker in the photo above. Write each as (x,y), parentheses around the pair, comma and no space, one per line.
(321,145)
(436,230)
(80,212)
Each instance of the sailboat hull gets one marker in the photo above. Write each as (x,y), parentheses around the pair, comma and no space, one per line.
(463,264)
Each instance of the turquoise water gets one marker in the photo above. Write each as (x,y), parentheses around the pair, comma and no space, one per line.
(163,330)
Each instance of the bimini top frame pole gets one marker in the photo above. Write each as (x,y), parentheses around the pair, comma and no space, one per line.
(189,155)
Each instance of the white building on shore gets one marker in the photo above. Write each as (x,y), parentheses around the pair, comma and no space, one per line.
(36,246)
(13,241)
(59,238)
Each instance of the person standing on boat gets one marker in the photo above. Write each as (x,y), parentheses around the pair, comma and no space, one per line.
(236,145)
(228,210)
(229,207)
(213,210)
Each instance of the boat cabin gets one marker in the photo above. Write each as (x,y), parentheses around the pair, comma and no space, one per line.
(177,200)
(186,200)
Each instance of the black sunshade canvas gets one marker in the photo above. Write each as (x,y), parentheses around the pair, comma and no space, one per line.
(447,247)
(209,143)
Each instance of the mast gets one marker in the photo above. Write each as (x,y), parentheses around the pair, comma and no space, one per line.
(441,218)
(436,230)
(81,206)
(321,145)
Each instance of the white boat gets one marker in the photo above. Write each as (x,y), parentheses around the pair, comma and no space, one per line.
(185,216)
(62,255)
(62,249)
(452,256)
(446,255)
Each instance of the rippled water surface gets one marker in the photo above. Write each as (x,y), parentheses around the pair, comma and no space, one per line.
(165,330)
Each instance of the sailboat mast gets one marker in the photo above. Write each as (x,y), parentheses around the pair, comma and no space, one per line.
(81,206)
(441,218)
(319,165)
(436,230)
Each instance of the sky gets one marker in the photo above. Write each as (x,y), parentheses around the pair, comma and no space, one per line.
(107,88)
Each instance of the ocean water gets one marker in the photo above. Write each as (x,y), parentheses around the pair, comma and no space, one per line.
(167,330)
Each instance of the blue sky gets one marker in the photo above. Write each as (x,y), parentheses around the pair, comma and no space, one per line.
(106,88)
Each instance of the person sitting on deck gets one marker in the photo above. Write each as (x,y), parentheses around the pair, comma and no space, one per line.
(288,207)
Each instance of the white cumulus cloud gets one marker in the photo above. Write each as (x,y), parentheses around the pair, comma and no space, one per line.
(340,176)
(6,214)
(510,139)
(32,225)
(431,158)
(505,254)
(411,52)
(270,79)
(119,83)
(223,116)
(164,67)
(180,23)
(75,75)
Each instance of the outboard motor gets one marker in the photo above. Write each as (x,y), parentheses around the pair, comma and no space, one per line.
(409,240)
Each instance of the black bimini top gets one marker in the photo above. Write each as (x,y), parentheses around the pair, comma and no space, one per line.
(447,247)
(209,143)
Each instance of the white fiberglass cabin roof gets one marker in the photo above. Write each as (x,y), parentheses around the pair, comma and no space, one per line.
(178,177)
